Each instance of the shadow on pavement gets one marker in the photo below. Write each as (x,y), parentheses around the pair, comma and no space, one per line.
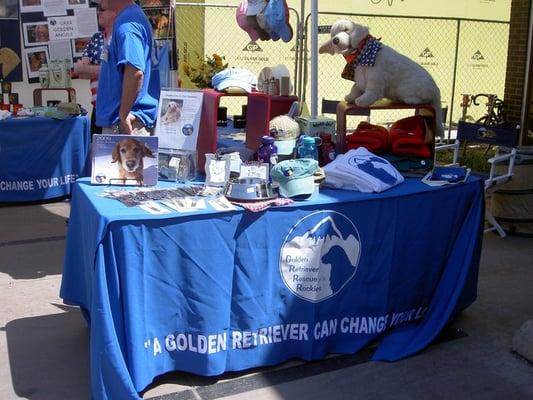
(49,356)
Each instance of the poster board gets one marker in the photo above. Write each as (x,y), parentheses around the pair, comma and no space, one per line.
(124,160)
(54,29)
(178,118)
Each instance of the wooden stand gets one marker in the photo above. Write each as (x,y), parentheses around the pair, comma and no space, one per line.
(38,94)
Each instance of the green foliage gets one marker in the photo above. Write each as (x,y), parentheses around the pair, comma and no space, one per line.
(475,157)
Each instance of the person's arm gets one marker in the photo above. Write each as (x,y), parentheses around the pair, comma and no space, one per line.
(86,71)
(131,86)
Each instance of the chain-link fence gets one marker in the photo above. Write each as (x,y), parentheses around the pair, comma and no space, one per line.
(205,29)
(463,56)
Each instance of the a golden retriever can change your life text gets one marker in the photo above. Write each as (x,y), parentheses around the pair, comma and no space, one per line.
(129,155)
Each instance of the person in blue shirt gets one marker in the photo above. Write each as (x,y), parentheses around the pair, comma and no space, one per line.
(128,88)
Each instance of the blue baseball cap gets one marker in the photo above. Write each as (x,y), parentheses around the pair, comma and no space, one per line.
(236,77)
(277,18)
(295,177)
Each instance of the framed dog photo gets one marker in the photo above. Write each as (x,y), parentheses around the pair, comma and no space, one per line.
(79,45)
(35,57)
(124,160)
(178,118)
(30,6)
(36,33)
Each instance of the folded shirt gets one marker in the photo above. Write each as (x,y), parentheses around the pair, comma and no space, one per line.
(363,171)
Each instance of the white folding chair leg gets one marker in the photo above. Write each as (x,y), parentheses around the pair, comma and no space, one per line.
(494,224)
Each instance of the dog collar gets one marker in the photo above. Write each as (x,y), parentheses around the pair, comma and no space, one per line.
(365,55)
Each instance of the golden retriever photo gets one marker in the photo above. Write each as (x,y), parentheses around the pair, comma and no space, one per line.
(172,113)
(129,154)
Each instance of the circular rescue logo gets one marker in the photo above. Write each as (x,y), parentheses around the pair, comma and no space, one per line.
(320,255)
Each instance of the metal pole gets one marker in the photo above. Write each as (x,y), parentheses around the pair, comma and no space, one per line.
(454,77)
(300,40)
(526,100)
(314,58)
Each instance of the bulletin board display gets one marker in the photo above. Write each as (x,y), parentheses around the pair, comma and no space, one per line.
(54,30)
(10,49)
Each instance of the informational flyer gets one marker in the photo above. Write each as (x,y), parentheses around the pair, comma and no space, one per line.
(178,120)
(60,50)
(87,21)
(54,7)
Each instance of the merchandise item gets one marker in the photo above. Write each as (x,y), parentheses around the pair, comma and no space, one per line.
(242,21)
(234,77)
(285,131)
(327,149)
(131,43)
(44,76)
(295,177)
(277,18)
(374,138)
(268,152)
(363,171)
(446,176)
(307,147)
(408,137)
(255,6)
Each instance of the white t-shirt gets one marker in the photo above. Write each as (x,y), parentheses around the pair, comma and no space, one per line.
(363,171)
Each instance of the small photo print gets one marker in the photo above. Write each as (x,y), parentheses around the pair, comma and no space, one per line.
(35,58)
(160,21)
(154,3)
(36,33)
(170,111)
(77,4)
(13,98)
(6,87)
(78,45)
(9,9)
(30,6)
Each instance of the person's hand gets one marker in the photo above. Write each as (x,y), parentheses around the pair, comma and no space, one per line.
(126,124)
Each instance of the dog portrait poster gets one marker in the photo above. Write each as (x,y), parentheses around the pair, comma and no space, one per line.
(178,118)
(30,6)
(36,33)
(35,57)
(124,160)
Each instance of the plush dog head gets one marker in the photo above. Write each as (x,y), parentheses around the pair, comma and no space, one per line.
(345,36)
(129,154)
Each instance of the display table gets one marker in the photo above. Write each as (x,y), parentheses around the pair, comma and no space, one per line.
(41,157)
(211,292)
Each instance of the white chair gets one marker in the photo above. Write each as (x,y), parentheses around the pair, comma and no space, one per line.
(506,139)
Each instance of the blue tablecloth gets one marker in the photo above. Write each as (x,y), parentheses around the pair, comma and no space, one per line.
(40,157)
(211,292)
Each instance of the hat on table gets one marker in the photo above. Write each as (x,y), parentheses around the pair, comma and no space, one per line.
(285,131)
(295,177)
(234,77)
(243,23)
(277,18)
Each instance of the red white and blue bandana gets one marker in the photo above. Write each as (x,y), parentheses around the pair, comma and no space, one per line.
(365,55)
